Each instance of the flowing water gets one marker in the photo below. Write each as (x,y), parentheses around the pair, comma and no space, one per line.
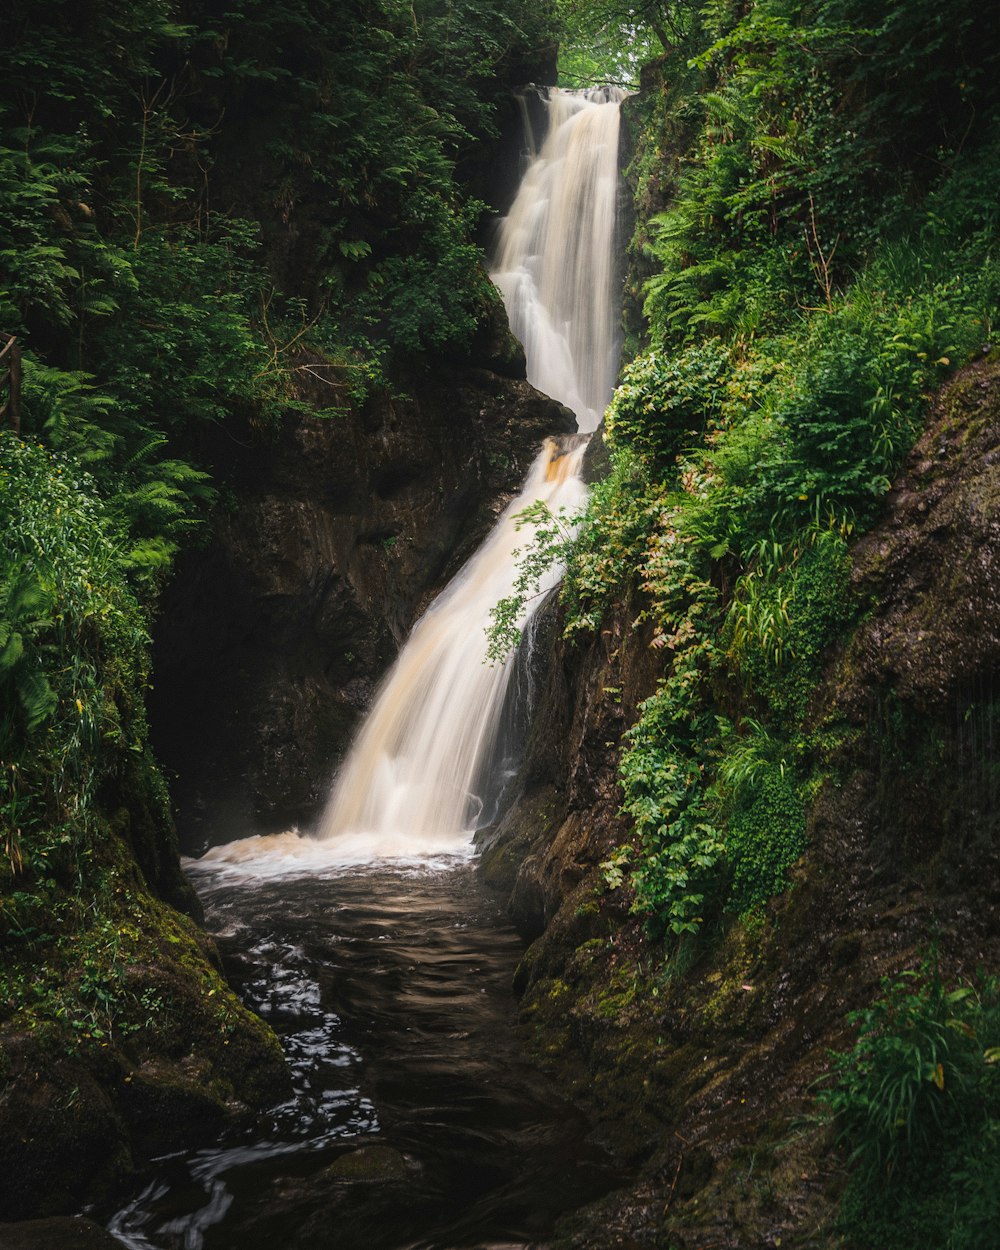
(369,944)
(417,772)
(415,1120)
(557,259)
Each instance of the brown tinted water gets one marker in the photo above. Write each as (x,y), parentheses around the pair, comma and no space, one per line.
(417,1120)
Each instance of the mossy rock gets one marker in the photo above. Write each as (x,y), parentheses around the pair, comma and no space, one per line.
(170,1057)
(369,1165)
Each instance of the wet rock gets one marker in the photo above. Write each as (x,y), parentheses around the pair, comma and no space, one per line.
(931,568)
(369,1165)
(167,1105)
(61,1132)
(57,1234)
(72,1127)
(566,820)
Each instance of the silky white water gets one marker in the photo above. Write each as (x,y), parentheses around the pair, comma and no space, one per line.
(409,786)
(411,775)
(412,786)
(556,263)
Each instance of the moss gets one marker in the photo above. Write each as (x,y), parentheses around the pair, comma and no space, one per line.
(764,837)
(371,1164)
(733,982)
(122,1002)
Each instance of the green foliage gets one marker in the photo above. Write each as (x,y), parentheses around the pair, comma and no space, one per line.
(599,549)
(665,769)
(663,778)
(77,781)
(25,606)
(95,1001)
(122,128)
(432,297)
(786,610)
(811,261)
(917,1103)
(765,835)
(608,41)
(610,543)
(552,539)
(361,115)
(73,664)
(663,403)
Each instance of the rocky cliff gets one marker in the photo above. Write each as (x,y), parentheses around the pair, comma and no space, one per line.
(274,634)
(703,1070)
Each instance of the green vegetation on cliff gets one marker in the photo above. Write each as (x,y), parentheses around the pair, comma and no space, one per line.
(199,205)
(817,251)
(917,1100)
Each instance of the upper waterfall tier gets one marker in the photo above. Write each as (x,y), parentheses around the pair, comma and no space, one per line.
(557,260)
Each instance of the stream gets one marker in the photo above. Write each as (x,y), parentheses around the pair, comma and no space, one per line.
(416,1120)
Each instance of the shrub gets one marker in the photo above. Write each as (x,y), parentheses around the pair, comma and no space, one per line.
(765,835)
(786,611)
(73,662)
(917,1103)
(664,403)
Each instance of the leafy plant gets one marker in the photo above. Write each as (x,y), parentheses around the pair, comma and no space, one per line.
(25,607)
(551,542)
(662,404)
(73,658)
(917,1104)
(765,833)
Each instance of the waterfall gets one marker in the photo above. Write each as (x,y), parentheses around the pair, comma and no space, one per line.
(556,263)
(411,776)
(416,778)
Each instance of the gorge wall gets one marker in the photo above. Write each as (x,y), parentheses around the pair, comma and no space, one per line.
(704,1072)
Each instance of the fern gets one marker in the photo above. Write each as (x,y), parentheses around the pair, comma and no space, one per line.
(24,608)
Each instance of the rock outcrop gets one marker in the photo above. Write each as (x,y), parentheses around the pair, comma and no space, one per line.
(339,531)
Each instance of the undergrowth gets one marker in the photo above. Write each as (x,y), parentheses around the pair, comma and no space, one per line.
(916,1102)
(809,277)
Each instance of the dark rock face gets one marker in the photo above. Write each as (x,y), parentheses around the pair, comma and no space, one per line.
(273,636)
(932,567)
(56,1234)
(712,1069)
(546,849)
